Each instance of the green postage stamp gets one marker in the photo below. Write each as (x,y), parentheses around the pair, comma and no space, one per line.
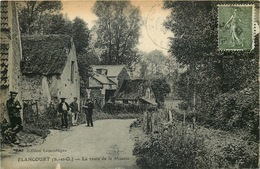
(235,27)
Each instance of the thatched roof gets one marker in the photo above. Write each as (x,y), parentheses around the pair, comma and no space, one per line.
(132,89)
(45,54)
(112,70)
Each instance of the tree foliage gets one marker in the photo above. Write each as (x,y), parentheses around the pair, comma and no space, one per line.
(32,12)
(118,31)
(161,89)
(212,75)
(81,35)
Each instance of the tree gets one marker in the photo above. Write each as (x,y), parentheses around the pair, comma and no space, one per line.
(194,25)
(161,89)
(81,35)
(56,24)
(118,30)
(156,60)
(32,12)
(224,81)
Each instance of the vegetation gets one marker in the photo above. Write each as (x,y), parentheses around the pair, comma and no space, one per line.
(161,89)
(219,84)
(99,115)
(117,108)
(118,31)
(31,14)
(199,148)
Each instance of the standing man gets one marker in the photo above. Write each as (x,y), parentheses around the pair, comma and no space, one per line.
(75,111)
(13,108)
(89,112)
(63,109)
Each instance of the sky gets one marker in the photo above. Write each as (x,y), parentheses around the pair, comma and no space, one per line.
(153,34)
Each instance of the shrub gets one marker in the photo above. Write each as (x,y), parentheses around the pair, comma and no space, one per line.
(164,151)
(117,108)
(98,115)
(237,111)
(200,148)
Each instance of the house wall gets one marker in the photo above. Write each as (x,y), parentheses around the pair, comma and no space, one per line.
(36,88)
(12,39)
(122,76)
(66,87)
(46,89)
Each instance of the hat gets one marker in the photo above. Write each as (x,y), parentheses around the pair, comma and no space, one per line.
(75,98)
(63,98)
(13,93)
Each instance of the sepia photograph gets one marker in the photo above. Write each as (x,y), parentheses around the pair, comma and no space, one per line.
(129,84)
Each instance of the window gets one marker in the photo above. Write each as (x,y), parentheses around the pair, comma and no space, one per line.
(72,71)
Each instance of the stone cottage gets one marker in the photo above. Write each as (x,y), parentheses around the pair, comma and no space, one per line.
(49,69)
(135,91)
(101,88)
(116,73)
(10,54)
(105,81)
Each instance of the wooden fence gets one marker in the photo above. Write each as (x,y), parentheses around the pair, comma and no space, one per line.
(164,119)
(30,111)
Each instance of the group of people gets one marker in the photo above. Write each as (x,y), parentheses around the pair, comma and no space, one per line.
(15,124)
(64,108)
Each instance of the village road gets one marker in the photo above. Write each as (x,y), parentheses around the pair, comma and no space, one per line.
(108,145)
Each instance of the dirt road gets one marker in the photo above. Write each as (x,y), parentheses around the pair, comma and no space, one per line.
(107,145)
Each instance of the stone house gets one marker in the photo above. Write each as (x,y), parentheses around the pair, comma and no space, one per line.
(105,81)
(135,91)
(100,88)
(116,73)
(49,69)
(10,54)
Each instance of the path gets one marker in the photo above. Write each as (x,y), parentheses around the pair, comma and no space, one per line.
(106,146)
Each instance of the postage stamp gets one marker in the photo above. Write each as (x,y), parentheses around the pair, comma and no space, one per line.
(235,27)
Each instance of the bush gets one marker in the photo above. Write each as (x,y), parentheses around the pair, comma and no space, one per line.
(200,148)
(40,127)
(237,111)
(117,108)
(98,115)
(164,151)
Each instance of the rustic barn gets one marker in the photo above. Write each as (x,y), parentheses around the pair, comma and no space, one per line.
(136,91)
(10,54)
(49,69)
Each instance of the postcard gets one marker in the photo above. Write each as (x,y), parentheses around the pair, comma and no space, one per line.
(130,84)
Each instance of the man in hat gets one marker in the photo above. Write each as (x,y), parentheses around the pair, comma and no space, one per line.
(13,108)
(63,109)
(74,110)
(89,106)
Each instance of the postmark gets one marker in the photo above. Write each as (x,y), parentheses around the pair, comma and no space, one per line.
(235,27)
(156,32)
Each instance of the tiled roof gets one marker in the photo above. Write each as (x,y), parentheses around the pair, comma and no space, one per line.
(94,83)
(4,15)
(112,70)
(4,47)
(103,79)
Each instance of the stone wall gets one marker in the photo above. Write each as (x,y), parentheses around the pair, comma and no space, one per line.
(36,88)
(46,89)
